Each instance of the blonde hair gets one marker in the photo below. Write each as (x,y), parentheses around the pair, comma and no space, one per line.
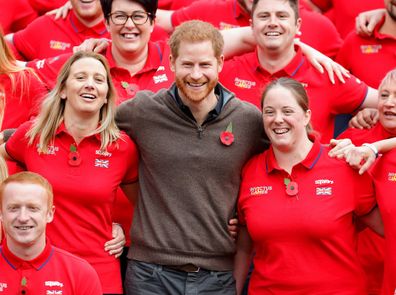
(52,109)
(390,77)
(29,178)
(8,66)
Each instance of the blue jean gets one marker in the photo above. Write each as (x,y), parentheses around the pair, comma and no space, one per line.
(152,279)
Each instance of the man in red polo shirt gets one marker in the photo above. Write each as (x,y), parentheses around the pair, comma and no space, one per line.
(275,24)
(370,58)
(29,263)
(47,37)
(316,30)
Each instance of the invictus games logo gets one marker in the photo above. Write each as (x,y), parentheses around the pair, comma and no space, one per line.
(392,176)
(244,83)
(260,190)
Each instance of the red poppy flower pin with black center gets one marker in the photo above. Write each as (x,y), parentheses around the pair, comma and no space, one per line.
(291,187)
(227,137)
(74,156)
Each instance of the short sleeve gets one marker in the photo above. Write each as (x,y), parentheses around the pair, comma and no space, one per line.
(17,144)
(132,155)
(364,193)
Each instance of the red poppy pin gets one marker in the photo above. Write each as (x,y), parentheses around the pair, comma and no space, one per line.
(291,187)
(74,156)
(227,137)
(130,89)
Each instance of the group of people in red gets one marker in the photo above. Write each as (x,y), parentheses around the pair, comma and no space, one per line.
(173,149)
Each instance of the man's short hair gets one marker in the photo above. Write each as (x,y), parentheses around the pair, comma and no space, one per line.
(149,6)
(293,4)
(28,178)
(196,31)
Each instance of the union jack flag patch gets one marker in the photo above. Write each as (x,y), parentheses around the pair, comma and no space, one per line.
(102,163)
(323,191)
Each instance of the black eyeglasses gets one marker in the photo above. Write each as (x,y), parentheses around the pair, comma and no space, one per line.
(137,17)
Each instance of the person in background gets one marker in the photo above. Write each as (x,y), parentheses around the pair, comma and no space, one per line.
(29,263)
(75,143)
(296,211)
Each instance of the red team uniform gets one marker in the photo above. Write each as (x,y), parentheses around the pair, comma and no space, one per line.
(47,37)
(15,15)
(84,193)
(244,76)
(317,30)
(384,175)
(304,243)
(369,58)
(54,271)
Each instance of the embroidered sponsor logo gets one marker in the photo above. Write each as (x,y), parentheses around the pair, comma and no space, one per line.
(103,153)
(53,284)
(260,190)
(325,187)
(244,83)
(160,78)
(392,176)
(3,286)
(54,292)
(323,181)
(225,26)
(370,49)
(161,68)
(58,45)
(102,163)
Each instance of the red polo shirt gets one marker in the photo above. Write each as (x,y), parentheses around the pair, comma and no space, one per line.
(369,58)
(316,29)
(156,73)
(47,37)
(244,76)
(370,245)
(15,15)
(384,174)
(42,6)
(54,271)
(345,12)
(84,216)
(304,242)
(23,101)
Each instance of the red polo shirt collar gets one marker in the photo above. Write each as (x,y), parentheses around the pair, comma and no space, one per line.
(79,27)
(378,35)
(289,70)
(37,263)
(309,162)
(62,129)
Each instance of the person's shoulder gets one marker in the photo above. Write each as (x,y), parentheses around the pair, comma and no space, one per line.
(71,259)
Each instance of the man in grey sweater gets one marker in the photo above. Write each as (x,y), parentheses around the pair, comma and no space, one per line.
(193,139)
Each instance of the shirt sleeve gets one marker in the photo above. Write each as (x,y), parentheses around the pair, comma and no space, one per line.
(132,155)
(17,144)
(364,192)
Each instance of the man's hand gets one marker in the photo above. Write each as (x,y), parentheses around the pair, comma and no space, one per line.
(366,21)
(116,245)
(364,119)
(233,228)
(62,11)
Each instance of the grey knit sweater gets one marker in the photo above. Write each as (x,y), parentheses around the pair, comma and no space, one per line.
(188,179)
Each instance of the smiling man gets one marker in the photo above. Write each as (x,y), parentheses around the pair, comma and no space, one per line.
(193,140)
(29,263)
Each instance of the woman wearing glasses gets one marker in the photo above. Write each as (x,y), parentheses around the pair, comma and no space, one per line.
(300,207)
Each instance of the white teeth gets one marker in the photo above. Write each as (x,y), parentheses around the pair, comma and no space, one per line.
(130,35)
(272,34)
(195,84)
(24,227)
(89,96)
(389,114)
(281,130)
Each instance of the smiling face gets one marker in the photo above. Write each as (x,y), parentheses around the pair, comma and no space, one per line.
(274,25)
(196,70)
(128,39)
(387,105)
(285,122)
(25,213)
(86,88)
(88,11)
